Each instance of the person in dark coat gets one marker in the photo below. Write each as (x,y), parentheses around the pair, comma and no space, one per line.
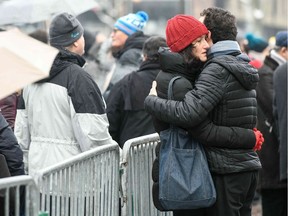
(125,103)
(280,115)
(272,190)
(12,165)
(8,107)
(127,43)
(225,93)
(10,148)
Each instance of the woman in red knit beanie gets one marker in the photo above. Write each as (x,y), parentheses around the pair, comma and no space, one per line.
(186,38)
(184,32)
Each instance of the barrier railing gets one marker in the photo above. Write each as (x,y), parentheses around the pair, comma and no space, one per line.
(18,192)
(87,184)
(136,179)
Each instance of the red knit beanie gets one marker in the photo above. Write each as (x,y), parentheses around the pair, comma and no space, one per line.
(181,30)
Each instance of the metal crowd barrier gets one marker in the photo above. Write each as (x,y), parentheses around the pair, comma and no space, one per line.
(136,177)
(18,191)
(87,184)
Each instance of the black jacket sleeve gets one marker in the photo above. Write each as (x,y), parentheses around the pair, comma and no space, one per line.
(115,103)
(196,104)
(209,134)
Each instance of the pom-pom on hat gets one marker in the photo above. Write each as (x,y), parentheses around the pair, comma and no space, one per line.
(255,43)
(132,23)
(182,30)
(282,39)
(64,30)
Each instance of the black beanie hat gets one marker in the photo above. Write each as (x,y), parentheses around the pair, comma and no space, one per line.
(64,30)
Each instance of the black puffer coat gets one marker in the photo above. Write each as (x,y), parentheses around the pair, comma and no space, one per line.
(224,91)
(172,65)
(206,132)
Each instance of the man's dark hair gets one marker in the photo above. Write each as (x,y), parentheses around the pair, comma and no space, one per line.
(221,23)
(152,45)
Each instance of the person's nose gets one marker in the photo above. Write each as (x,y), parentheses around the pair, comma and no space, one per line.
(205,45)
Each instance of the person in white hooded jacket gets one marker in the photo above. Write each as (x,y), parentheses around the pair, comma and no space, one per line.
(64,114)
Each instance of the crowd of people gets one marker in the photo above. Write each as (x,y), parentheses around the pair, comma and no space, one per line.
(109,89)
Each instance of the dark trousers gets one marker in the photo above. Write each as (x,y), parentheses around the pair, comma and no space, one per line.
(274,202)
(191,212)
(235,193)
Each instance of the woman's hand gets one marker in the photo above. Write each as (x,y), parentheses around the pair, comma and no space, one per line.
(153,88)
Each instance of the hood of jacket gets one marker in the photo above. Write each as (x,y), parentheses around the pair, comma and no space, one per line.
(228,55)
(63,60)
(171,62)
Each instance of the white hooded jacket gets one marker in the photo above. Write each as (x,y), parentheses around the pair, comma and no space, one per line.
(61,116)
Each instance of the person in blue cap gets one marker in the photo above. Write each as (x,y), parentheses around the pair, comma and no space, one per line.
(281,44)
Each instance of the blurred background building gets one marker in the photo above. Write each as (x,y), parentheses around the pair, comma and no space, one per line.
(261,17)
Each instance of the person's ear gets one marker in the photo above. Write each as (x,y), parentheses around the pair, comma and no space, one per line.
(283,49)
(209,35)
(284,52)
(209,39)
(76,43)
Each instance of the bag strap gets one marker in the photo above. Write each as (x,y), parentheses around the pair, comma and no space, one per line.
(170,87)
(170,92)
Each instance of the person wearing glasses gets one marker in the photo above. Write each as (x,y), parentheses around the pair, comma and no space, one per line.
(127,43)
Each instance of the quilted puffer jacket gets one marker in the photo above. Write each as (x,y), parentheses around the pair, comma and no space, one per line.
(224,91)
(208,134)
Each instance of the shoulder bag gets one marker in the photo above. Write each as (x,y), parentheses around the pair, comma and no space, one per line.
(185,181)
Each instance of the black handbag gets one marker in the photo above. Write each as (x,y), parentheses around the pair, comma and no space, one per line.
(185,181)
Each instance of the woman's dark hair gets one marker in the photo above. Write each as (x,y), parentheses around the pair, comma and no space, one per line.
(221,23)
(152,45)
(187,53)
